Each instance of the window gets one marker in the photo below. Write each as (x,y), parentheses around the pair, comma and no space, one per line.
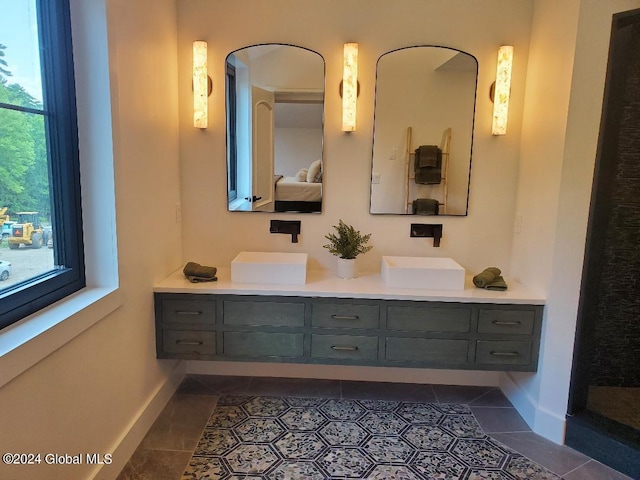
(41,254)
(232,154)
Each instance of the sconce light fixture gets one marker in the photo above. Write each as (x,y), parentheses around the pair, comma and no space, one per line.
(349,86)
(201,85)
(502,90)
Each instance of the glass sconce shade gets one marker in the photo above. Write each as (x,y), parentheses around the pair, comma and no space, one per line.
(200,85)
(349,87)
(502,91)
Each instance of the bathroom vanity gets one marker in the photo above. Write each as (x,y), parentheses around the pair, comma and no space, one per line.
(348,322)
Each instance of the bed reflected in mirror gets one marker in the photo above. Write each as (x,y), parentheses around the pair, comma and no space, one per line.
(275,104)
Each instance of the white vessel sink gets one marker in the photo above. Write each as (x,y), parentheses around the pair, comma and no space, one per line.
(270,268)
(432,273)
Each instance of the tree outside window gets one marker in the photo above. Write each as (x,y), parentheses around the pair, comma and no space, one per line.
(41,244)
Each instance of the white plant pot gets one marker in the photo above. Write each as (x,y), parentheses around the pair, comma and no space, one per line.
(346,268)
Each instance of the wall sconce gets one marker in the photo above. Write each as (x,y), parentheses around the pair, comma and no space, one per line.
(501,90)
(349,87)
(201,85)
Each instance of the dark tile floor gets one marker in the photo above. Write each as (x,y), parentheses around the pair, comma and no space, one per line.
(167,448)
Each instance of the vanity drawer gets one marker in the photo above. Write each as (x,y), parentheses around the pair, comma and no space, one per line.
(280,314)
(345,315)
(429,319)
(188,311)
(189,342)
(427,350)
(263,344)
(346,347)
(503,352)
(506,321)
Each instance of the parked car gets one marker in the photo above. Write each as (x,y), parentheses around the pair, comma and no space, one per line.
(5,269)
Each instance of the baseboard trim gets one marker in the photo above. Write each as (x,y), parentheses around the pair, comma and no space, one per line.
(140,424)
(345,372)
(520,399)
(541,421)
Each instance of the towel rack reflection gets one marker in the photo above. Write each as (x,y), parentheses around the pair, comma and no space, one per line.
(445,146)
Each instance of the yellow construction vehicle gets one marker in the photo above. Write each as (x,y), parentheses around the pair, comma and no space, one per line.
(3,216)
(4,224)
(26,231)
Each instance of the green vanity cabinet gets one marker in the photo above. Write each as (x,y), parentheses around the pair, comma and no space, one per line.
(428,318)
(345,315)
(262,344)
(434,351)
(350,348)
(262,313)
(185,326)
(348,331)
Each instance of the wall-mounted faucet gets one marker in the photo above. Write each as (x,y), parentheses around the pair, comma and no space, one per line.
(291,227)
(427,230)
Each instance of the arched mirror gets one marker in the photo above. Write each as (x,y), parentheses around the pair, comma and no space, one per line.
(275,100)
(423,131)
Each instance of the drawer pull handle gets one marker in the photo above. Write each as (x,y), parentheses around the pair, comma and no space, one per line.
(499,322)
(344,349)
(188,312)
(504,354)
(345,317)
(188,342)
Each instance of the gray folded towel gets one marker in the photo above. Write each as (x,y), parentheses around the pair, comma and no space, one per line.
(199,273)
(497,284)
(193,279)
(487,276)
(428,156)
(428,176)
(427,165)
(425,206)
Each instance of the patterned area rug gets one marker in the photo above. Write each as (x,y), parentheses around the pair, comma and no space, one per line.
(249,437)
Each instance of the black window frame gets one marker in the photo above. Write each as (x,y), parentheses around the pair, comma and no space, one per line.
(60,118)
(232,142)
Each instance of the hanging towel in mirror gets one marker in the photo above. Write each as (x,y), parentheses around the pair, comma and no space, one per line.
(427,165)
(428,156)
(425,206)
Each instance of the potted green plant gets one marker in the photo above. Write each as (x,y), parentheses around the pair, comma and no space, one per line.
(347,243)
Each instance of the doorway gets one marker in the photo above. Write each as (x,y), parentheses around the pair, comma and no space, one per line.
(604,403)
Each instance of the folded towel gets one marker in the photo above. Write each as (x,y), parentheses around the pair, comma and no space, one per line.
(193,279)
(428,176)
(425,206)
(428,156)
(497,284)
(199,273)
(487,276)
(427,165)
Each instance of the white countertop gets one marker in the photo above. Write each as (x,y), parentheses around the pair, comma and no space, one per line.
(326,284)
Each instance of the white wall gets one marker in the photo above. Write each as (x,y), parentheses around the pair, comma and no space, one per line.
(565,84)
(88,394)
(286,69)
(214,236)
(323,27)
(539,180)
(296,148)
